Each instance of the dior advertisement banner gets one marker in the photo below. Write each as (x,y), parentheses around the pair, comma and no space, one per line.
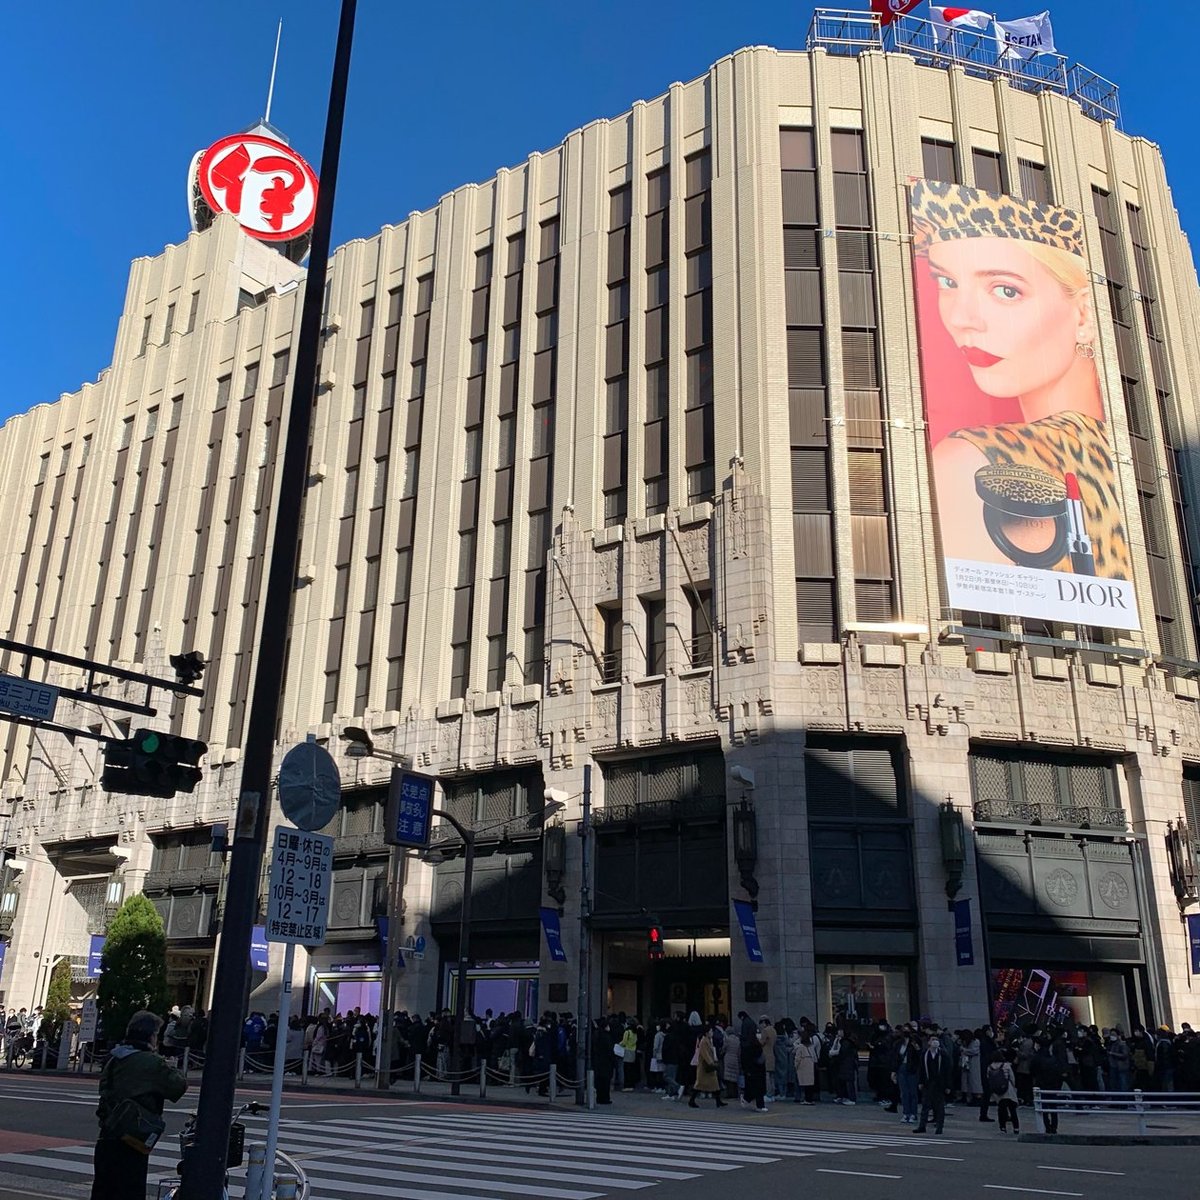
(1028,505)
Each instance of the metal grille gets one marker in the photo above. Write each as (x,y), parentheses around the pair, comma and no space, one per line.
(499,801)
(1088,785)
(195,856)
(359,818)
(1041,783)
(993,780)
(91,894)
(620,785)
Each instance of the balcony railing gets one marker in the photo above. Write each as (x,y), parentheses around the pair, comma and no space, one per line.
(852,31)
(661,812)
(1070,816)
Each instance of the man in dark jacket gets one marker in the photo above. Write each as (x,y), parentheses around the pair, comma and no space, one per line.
(1049,1071)
(933,1074)
(754,1067)
(602,1061)
(134,1071)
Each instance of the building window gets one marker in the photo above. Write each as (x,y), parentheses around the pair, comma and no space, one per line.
(611,632)
(988,175)
(700,646)
(656,635)
(937,159)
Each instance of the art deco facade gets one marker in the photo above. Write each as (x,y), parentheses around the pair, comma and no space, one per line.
(619,459)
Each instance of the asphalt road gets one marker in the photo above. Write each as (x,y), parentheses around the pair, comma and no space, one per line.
(357,1145)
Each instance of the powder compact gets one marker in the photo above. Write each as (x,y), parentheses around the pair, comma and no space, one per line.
(1025,513)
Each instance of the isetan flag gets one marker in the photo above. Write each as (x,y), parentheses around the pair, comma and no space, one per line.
(946,20)
(889,10)
(1025,37)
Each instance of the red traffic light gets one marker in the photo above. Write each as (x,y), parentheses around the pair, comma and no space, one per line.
(654,944)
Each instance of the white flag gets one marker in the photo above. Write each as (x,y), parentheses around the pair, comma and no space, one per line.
(1026,36)
(946,20)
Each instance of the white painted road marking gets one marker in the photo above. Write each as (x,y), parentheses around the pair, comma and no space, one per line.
(1081,1170)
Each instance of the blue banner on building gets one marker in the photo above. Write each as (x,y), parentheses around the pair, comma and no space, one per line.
(964,948)
(553,932)
(749,924)
(3,952)
(94,953)
(1193,928)
(260,955)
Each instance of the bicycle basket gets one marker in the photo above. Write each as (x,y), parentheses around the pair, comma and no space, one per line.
(237,1145)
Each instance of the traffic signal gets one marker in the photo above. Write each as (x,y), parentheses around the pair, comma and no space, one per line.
(654,944)
(152,764)
(188,667)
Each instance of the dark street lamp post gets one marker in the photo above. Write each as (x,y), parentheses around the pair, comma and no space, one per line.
(458,1068)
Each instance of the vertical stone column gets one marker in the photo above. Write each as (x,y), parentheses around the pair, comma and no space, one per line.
(951,994)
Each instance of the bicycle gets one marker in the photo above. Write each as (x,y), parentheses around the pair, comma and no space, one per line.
(234,1157)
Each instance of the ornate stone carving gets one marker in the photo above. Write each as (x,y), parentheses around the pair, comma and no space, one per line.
(606,571)
(697,702)
(694,544)
(1061,886)
(604,718)
(525,724)
(650,712)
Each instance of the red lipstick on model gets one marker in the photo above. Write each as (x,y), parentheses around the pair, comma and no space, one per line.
(978,357)
(1078,542)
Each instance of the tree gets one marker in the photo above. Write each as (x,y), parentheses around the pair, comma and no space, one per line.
(58,1001)
(133,967)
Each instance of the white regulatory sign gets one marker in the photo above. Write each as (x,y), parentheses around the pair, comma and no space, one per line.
(27,697)
(88,1022)
(301,870)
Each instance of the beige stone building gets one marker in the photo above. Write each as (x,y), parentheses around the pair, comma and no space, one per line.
(620,460)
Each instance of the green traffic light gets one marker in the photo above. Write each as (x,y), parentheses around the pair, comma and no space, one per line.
(149,742)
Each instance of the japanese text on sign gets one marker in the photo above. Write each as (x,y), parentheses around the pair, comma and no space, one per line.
(409,809)
(27,697)
(298,904)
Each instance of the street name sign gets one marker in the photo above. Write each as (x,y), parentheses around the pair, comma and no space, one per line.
(28,698)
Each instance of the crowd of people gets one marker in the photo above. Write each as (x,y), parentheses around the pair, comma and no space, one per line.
(914,1070)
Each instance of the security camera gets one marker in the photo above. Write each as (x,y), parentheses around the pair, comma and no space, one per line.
(743,775)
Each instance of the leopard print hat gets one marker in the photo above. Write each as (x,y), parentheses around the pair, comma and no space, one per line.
(947,212)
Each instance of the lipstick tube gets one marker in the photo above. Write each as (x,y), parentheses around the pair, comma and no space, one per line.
(1078,543)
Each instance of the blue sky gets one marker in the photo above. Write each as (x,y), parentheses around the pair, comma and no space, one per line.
(103,106)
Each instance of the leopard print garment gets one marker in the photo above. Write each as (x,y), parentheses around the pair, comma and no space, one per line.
(1067,441)
(948,212)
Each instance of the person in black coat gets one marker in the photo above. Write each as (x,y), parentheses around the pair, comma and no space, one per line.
(1049,1071)
(603,1060)
(933,1074)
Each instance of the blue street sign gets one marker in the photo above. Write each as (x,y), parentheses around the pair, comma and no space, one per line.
(409,809)
(1193,928)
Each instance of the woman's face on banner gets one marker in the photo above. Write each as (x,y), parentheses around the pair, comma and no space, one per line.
(1013,322)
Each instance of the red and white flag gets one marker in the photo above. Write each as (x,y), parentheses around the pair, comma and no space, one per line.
(889,10)
(946,20)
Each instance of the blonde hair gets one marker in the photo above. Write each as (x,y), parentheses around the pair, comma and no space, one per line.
(1068,268)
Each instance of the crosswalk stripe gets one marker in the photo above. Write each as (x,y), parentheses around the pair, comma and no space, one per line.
(501,1140)
(677,1147)
(501,1155)
(328,1172)
(521,1163)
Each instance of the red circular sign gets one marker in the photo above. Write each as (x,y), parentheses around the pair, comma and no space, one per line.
(266,185)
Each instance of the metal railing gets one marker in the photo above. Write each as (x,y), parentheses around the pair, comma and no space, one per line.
(1137,1104)
(1071,816)
(851,32)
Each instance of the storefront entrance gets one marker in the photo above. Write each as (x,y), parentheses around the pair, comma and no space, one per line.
(187,977)
(692,975)
(500,987)
(342,988)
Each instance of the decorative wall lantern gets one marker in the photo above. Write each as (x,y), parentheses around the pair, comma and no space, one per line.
(1182,862)
(554,856)
(954,846)
(745,845)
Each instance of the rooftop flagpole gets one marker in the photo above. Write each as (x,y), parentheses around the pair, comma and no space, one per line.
(274,66)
